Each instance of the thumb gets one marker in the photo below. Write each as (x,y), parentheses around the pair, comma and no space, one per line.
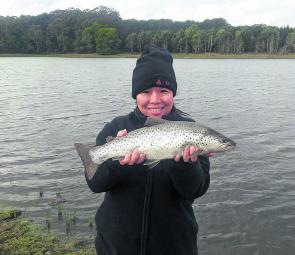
(122,132)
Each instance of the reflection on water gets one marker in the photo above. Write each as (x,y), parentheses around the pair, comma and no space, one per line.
(47,104)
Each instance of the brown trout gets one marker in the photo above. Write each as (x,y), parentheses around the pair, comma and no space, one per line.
(158,139)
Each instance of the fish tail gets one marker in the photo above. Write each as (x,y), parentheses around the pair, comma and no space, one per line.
(89,166)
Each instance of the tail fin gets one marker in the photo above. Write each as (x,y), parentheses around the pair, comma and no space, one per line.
(83,151)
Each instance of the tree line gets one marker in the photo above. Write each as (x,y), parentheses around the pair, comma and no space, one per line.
(102,30)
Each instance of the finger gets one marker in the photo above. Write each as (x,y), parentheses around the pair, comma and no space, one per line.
(186,155)
(193,153)
(134,157)
(211,154)
(125,160)
(122,132)
(192,150)
(177,158)
(141,158)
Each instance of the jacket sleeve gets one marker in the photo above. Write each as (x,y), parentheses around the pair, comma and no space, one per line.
(190,180)
(109,173)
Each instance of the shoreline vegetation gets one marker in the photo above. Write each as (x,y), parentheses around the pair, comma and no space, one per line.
(103,31)
(21,237)
(175,55)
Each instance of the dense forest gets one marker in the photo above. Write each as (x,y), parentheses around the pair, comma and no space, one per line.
(103,31)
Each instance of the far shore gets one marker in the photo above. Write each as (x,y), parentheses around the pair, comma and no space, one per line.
(175,55)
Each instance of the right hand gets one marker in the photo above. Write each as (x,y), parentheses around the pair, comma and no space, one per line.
(133,157)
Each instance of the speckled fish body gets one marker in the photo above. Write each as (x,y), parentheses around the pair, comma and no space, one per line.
(158,140)
(163,141)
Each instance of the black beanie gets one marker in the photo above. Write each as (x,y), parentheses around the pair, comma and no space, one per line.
(153,69)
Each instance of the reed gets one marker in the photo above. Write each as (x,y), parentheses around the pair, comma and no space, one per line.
(41,192)
(60,210)
(90,221)
(48,219)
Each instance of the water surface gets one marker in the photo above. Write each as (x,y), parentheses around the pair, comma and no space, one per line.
(47,104)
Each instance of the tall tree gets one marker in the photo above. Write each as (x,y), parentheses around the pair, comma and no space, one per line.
(35,40)
(131,42)
(290,42)
(107,41)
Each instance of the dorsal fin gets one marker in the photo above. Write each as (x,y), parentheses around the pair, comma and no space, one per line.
(109,139)
(154,121)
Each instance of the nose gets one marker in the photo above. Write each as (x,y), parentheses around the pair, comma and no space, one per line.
(155,97)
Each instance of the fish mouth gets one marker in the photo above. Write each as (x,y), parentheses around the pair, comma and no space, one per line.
(227,146)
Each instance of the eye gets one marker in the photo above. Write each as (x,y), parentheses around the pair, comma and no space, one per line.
(224,140)
(145,92)
(164,91)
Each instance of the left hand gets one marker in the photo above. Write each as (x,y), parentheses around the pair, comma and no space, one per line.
(189,154)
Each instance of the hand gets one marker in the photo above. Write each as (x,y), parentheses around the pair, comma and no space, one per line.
(189,154)
(133,157)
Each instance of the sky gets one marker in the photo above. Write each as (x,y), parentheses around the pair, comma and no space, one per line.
(236,12)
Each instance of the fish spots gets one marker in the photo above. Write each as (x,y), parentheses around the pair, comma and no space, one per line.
(161,141)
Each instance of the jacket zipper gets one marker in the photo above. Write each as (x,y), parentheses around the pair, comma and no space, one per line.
(146,212)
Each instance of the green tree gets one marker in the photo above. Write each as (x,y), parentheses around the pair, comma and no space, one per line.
(210,39)
(107,41)
(268,40)
(290,42)
(131,42)
(178,41)
(165,38)
(223,41)
(243,40)
(35,41)
(73,30)
(85,41)
(4,33)
(194,37)
(143,38)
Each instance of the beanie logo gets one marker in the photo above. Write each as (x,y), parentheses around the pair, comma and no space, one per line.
(163,83)
(158,83)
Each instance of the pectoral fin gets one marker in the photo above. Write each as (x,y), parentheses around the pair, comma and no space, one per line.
(117,158)
(151,163)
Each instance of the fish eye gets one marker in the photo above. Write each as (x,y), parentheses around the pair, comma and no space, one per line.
(224,140)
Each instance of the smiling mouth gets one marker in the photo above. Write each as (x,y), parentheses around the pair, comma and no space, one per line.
(155,110)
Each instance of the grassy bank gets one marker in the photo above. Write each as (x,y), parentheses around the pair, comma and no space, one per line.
(20,237)
(179,56)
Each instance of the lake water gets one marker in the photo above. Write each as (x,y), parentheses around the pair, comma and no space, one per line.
(47,104)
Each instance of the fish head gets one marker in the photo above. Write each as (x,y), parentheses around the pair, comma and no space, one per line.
(215,143)
(226,144)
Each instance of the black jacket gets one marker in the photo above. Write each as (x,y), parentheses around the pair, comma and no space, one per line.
(147,211)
